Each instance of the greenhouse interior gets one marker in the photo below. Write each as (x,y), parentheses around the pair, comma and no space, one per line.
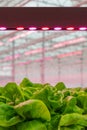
(44,56)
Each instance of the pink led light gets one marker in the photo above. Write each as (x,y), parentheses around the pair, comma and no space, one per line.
(70,54)
(17,56)
(57,28)
(20,28)
(83,28)
(10,57)
(19,36)
(32,28)
(3,28)
(70,28)
(70,42)
(1,43)
(45,28)
(33,51)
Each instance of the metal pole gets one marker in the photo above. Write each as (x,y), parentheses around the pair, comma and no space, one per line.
(26,70)
(59,70)
(13,61)
(81,69)
(43,58)
(37,3)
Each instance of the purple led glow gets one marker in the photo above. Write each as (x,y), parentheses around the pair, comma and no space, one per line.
(45,28)
(70,28)
(32,28)
(83,28)
(20,28)
(3,28)
(57,28)
(70,54)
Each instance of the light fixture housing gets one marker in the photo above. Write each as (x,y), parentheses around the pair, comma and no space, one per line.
(54,18)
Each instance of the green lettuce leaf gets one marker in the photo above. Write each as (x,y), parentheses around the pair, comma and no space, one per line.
(56,100)
(32,109)
(8,116)
(28,88)
(4,128)
(60,86)
(73,127)
(26,83)
(13,92)
(73,119)
(31,125)
(82,101)
(43,95)
(71,105)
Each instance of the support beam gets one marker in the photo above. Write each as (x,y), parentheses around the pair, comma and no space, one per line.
(34,42)
(82,3)
(21,4)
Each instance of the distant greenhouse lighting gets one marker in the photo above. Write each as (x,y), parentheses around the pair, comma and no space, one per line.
(19,36)
(1,43)
(34,51)
(10,57)
(70,54)
(69,42)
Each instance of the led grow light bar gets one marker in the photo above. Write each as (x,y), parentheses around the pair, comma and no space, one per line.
(43,18)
